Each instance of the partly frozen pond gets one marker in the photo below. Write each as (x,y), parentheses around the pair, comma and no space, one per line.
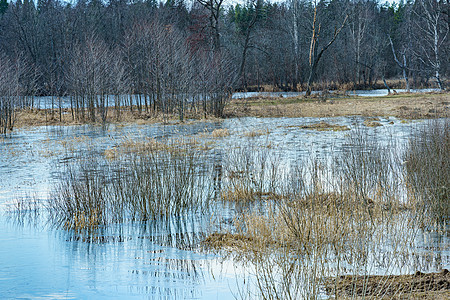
(156,259)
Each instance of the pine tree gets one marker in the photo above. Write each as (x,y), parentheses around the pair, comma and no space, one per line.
(3,6)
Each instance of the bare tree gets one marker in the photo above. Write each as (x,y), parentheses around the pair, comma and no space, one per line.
(295,10)
(9,87)
(90,78)
(431,22)
(315,57)
(401,64)
(245,19)
(214,8)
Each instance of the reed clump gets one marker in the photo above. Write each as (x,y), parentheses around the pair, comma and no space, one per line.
(137,186)
(324,126)
(219,133)
(256,133)
(80,201)
(250,174)
(340,216)
(427,163)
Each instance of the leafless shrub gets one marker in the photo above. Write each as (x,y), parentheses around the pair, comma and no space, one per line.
(428,169)
(332,217)
(8,94)
(251,172)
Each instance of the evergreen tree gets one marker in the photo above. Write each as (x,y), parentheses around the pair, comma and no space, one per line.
(3,6)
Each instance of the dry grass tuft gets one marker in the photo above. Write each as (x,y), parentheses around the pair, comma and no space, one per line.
(416,286)
(238,193)
(147,145)
(255,133)
(227,240)
(372,122)
(323,126)
(218,133)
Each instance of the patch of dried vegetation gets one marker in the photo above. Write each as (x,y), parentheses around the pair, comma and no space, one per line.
(323,126)
(404,106)
(219,133)
(256,133)
(42,117)
(415,286)
(146,145)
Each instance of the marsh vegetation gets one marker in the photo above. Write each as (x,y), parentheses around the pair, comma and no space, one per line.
(319,223)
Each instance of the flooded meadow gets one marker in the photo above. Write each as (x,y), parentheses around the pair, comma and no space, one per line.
(246,208)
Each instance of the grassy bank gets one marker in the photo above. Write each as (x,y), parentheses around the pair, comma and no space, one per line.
(407,106)
(42,117)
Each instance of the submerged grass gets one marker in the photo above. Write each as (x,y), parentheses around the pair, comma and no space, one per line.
(250,173)
(306,230)
(428,170)
(156,181)
(345,216)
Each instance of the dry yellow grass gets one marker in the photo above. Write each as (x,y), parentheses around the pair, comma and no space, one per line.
(323,126)
(146,145)
(42,117)
(220,133)
(370,123)
(255,133)
(405,106)
(415,286)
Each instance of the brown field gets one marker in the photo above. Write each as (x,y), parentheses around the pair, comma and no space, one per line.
(405,106)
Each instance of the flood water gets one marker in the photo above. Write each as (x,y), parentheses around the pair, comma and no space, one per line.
(158,259)
(64,102)
(362,93)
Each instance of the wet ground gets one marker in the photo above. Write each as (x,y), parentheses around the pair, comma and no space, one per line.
(156,259)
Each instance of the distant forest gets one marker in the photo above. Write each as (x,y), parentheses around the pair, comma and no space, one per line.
(173,51)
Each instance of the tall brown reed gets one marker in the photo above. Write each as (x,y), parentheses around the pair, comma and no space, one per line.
(251,172)
(333,217)
(137,186)
(428,170)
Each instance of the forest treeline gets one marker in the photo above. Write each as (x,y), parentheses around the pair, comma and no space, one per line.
(180,55)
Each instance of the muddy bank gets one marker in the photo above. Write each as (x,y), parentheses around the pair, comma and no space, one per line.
(415,286)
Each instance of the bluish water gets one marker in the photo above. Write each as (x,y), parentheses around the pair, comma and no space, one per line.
(159,259)
(362,93)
